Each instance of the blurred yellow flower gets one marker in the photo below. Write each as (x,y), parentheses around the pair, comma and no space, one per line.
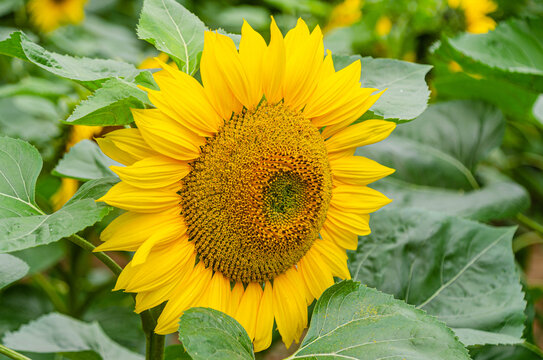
(68,187)
(383,26)
(344,14)
(48,15)
(152,62)
(475,12)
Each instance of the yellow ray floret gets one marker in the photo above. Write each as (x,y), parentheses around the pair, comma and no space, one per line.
(242,193)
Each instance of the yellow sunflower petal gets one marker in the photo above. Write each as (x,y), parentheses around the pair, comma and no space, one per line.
(333,231)
(125,146)
(195,111)
(217,295)
(182,297)
(248,308)
(335,257)
(364,133)
(129,230)
(354,223)
(164,234)
(251,51)
(131,198)
(159,268)
(167,136)
(215,85)
(235,298)
(274,66)
(264,320)
(305,55)
(358,170)
(153,172)
(360,199)
(149,299)
(289,307)
(315,272)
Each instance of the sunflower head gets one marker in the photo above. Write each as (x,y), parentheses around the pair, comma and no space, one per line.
(476,13)
(47,15)
(242,192)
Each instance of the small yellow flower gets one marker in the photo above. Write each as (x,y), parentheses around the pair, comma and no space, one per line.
(242,194)
(152,62)
(48,15)
(475,12)
(383,26)
(344,14)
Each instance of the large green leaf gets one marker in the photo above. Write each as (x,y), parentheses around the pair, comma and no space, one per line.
(85,161)
(210,334)
(81,211)
(36,86)
(176,352)
(11,269)
(56,333)
(504,67)
(458,270)
(42,257)
(173,30)
(516,352)
(110,104)
(407,94)
(436,156)
(20,165)
(29,118)
(465,130)
(498,198)
(22,224)
(351,321)
(514,48)
(89,72)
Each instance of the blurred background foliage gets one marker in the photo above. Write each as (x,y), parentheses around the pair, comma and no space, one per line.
(484,125)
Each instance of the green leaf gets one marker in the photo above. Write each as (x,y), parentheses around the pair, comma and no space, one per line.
(42,257)
(503,67)
(516,352)
(458,270)
(85,161)
(29,118)
(11,269)
(110,105)
(176,352)
(56,333)
(465,130)
(20,165)
(451,136)
(174,30)
(17,233)
(407,94)
(37,87)
(499,197)
(514,48)
(89,72)
(210,334)
(351,321)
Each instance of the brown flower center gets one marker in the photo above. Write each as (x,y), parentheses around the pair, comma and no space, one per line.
(257,197)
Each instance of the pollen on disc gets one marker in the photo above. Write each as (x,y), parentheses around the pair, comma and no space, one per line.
(256,198)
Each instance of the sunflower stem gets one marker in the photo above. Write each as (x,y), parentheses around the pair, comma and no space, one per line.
(154,349)
(109,262)
(12,354)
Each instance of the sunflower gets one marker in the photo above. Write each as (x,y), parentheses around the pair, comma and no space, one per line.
(476,14)
(243,193)
(48,15)
(344,14)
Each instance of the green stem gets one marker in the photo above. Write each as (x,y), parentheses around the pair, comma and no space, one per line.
(154,342)
(526,221)
(109,262)
(51,293)
(533,348)
(12,354)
